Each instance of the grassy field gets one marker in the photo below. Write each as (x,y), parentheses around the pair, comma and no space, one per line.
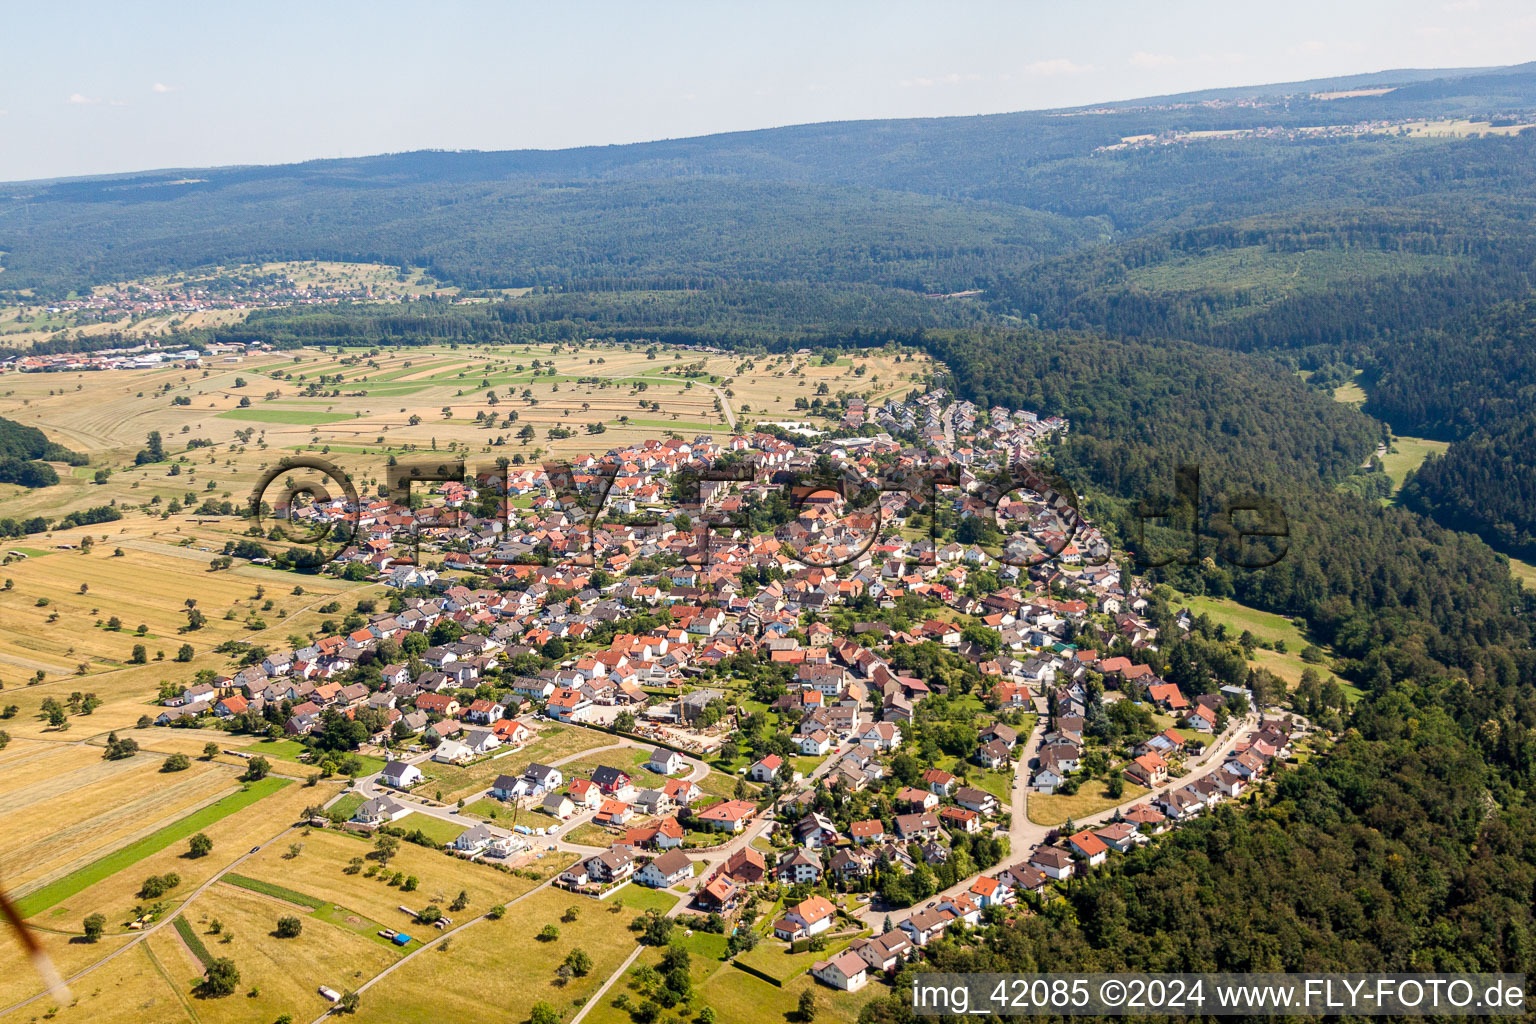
(1265,626)
(58,618)
(286,973)
(1524,572)
(319,872)
(299,416)
(627,759)
(1090,799)
(116,896)
(433,828)
(100,869)
(130,990)
(502,964)
(59,824)
(737,996)
(1405,454)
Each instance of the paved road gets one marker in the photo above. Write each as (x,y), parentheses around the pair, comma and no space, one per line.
(1024,835)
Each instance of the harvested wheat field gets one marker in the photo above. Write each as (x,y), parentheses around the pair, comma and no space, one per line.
(54,825)
(232,836)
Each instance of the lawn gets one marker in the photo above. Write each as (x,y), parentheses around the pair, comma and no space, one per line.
(626,759)
(720,784)
(588,834)
(348,804)
(738,996)
(70,884)
(1090,799)
(774,959)
(291,750)
(433,828)
(491,809)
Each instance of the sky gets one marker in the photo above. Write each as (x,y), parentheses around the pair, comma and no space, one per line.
(91,88)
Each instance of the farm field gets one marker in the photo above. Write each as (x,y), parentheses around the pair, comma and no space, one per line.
(90,807)
(503,964)
(318,871)
(115,895)
(57,617)
(285,972)
(394,402)
(132,989)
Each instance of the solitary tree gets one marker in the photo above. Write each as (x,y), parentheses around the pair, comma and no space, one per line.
(220,979)
(289,927)
(200,845)
(94,926)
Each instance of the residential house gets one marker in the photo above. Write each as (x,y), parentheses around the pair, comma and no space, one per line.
(666,870)
(847,972)
(381,810)
(806,918)
(666,762)
(400,775)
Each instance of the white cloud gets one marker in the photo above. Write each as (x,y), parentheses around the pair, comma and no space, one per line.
(76,97)
(1056,66)
(1145,60)
(162,87)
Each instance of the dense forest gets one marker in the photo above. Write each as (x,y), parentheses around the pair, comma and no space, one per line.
(1162,298)
(931,204)
(23,450)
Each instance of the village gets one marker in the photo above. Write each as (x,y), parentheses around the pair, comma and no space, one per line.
(836,725)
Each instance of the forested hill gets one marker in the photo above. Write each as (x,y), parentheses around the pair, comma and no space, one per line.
(928,204)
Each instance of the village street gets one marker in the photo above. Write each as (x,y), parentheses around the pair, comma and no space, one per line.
(1024,835)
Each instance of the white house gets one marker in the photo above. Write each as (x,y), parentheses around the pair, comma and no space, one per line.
(815,744)
(400,775)
(452,752)
(666,762)
(473,839)
(847,971)
(666,870)
(381,810)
